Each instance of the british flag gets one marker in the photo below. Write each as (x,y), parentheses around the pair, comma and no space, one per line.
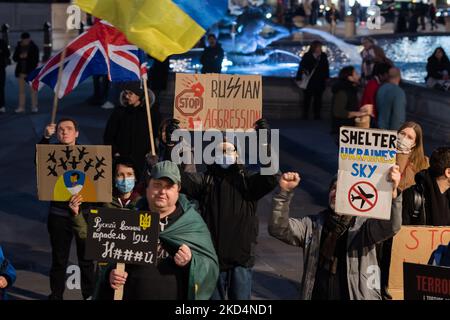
(102,50)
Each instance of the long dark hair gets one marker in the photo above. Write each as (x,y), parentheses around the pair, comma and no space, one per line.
(346,72)
(444,55)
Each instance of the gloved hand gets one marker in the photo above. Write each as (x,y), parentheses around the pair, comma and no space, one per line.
(170,126)
(261,124)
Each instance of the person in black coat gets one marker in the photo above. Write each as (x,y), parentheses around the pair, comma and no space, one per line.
(228,195)
(4,61)
(316,62)
(212,56)
(438,68)
(127,127)
(428,201)
(26,55)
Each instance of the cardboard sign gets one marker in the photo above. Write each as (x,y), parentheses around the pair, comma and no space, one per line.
(413,244)
(426,282)
(365,158)
(64,171)
(217,101)
(125,236)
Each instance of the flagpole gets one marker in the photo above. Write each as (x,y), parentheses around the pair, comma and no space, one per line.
(149,118)
(58,82)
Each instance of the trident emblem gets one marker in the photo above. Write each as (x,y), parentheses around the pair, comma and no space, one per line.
(145,221)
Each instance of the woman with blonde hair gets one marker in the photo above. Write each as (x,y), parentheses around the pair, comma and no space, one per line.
(411,159)
(410,153)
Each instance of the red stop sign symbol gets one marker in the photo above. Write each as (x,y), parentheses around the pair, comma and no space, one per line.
(188,103)
(363,196)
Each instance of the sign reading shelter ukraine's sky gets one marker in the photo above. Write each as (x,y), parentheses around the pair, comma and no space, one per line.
(365,158)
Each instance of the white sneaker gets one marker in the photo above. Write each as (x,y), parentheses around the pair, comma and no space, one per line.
(34,110)
(2,110)
(108,105)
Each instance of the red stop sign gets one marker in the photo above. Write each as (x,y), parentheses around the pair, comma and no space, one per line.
(187,103)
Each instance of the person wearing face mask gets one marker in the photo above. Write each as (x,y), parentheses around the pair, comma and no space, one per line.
(338,251)
(411,160)
(125,176)
(345,105)
(228,195)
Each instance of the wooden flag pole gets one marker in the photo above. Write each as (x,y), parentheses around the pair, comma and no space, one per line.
(58,84)
(149,118)
(118,294)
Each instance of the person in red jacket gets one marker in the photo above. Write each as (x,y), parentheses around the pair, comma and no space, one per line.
(380,75)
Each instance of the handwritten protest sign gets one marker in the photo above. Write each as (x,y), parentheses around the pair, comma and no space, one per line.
(365,158)
(218,101)
(413,244)
(123,236)
(64,171)
(426,282)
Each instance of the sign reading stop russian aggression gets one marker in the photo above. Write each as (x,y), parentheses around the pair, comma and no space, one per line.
(217,101)
(365,158)
(126,236)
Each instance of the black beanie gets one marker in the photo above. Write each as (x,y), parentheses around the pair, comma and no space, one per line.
(135,87)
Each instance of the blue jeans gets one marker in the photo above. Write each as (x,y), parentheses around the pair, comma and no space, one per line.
(236,283)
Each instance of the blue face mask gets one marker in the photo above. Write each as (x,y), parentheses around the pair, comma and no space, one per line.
(125,185)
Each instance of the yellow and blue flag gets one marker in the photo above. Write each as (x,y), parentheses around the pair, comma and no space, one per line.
(159,27)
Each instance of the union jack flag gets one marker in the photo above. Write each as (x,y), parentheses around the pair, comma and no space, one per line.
(102,50)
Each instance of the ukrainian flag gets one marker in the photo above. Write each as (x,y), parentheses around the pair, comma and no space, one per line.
(159,27)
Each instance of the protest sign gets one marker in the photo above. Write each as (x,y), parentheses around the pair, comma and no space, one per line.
(413,244)
(365,158)
(426,282)
(64,171)
(217,101)
(122,236)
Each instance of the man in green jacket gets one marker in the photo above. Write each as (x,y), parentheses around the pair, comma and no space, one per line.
(187,265)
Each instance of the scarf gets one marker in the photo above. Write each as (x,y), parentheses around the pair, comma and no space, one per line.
(335,226)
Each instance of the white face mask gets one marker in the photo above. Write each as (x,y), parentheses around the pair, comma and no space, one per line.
(404,144)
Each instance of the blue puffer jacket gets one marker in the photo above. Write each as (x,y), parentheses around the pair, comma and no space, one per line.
(7,271)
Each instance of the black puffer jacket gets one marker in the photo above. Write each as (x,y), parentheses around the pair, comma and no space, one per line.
(424,204)
(228,202)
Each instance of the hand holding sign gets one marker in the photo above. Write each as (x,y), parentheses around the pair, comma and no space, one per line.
(183,256)
(394,177)
(117,278)
(75,203)
(50,130)
(289,181)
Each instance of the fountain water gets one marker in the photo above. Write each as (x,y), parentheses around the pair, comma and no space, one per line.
(349,50)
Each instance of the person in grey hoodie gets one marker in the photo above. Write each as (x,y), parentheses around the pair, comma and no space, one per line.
(339,252)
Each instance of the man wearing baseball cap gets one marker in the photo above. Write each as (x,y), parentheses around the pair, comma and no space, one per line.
(187,265)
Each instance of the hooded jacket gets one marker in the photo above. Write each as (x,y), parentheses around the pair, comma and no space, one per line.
(228,202)
(362,238)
